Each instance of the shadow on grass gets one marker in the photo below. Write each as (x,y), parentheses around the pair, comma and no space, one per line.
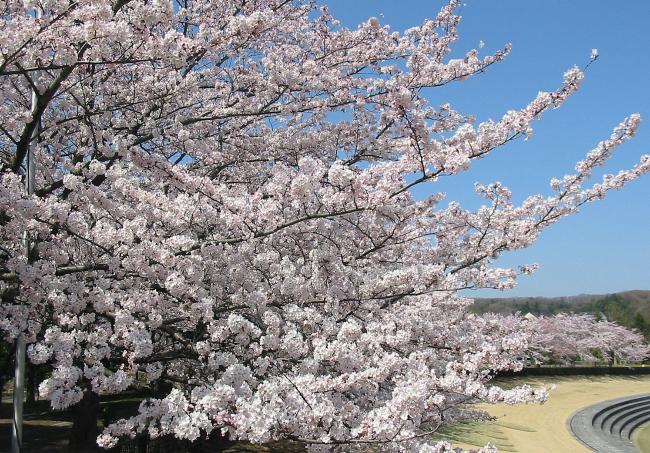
(479,434)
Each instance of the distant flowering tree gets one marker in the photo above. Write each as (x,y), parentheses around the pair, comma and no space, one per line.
(567,338)
(223,203)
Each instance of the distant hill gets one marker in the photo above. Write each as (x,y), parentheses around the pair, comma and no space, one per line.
(628,308)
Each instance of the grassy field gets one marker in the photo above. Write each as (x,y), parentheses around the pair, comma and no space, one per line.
(543,429)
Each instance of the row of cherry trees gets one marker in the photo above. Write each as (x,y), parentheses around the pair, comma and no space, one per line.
(570,338)
(223,203)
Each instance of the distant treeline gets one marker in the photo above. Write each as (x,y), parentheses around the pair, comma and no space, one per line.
(629,308)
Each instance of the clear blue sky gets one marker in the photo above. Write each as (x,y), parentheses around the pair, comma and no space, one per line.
(606,247)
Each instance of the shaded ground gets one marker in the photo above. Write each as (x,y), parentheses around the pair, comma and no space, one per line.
(42,431)
(47,432)
(516,429)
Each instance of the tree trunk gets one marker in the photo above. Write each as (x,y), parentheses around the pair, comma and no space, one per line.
(83,434)
(30,388)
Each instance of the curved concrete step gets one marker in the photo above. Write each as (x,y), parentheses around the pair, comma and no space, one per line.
(602,415)
(614,424)
(587,424)
(633,423)
(606,414)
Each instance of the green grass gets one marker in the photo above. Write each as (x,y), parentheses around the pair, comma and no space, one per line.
(642,438)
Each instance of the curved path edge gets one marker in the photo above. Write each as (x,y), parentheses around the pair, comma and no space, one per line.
(581,426)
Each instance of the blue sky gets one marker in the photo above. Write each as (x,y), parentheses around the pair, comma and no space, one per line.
(606,247)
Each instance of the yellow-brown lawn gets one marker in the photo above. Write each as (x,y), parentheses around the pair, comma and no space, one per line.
(544,429)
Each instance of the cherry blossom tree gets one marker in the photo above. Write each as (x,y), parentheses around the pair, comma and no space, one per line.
(566,338)
(223,202)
